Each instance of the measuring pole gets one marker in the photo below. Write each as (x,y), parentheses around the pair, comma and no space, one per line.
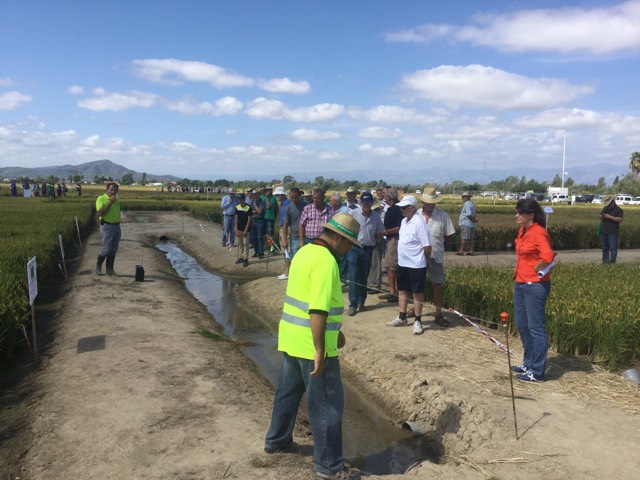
(504,316)
(78,229)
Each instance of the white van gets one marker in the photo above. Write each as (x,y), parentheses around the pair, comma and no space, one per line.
(561,198)
(623,199)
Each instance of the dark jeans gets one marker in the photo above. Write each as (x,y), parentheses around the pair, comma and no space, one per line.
(529,302)
(359,265)
(325,405)
(228,230)
(257,235)
(609,247)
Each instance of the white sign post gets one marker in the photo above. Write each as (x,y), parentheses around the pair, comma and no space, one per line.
(32,278)
(548,210)
(64,265)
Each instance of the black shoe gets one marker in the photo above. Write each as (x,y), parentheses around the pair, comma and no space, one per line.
(254,255)
(292,447)
(261,256)
(239,261)
(393,299)
(245,263)
(352,311)
(361,307)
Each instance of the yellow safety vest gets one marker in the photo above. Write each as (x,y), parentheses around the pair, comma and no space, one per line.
(314,284)
(113,214)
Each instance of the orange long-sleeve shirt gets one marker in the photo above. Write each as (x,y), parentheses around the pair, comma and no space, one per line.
(532,245)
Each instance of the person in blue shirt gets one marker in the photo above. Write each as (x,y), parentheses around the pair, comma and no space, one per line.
(228,205)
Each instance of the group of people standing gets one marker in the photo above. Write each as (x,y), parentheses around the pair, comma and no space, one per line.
(44,189)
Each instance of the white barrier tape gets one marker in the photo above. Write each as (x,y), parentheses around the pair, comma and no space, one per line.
(483,332)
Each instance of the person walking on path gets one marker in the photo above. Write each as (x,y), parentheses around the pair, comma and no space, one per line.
(467,223)
(441,230)
(532,287)
(414,249)
(611,217)
(228,205)
(108,210)
(309,336)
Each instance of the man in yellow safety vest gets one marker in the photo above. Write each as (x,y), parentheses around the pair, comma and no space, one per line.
(309,338)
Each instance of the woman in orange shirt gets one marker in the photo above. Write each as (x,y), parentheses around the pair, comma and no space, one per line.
(532,287)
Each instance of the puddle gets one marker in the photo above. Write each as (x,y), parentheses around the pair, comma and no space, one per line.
(371,442)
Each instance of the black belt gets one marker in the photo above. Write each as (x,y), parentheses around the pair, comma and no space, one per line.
(102,222)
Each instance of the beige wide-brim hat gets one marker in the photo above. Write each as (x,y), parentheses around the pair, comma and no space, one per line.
(352,189)
(430,196)
(345,225)
(607,199)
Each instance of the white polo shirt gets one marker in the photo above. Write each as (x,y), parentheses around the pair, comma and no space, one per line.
(413,238)
(440,226)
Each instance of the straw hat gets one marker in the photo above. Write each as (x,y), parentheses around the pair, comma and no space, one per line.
(352,189)
(607,199)
(430,196)
(345,225)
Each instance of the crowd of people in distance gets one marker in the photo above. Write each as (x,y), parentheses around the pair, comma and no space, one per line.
(43,189)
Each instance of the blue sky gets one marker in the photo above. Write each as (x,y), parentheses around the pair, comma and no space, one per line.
(205,89)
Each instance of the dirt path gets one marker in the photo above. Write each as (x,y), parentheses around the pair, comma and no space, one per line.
(126,390)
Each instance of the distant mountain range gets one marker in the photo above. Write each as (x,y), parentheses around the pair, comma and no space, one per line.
(89,170)
(588,174)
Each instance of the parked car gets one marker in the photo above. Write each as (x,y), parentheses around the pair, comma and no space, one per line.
(597,199)
(584,198)
(635,201)
(623,199)
(561,198)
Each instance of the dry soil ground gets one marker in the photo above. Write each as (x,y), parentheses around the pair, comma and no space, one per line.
(126,390)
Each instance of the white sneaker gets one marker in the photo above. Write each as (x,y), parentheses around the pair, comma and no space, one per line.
(417,327)
(284,276)
(397,322)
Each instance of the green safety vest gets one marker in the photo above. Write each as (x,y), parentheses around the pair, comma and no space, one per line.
(113,214)
(314,284)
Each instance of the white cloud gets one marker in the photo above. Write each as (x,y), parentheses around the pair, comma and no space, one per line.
(599,31)
(6,82)
(578,119)
(13,100)
(75,90)
(118,102)
(487,87)
(264,108)
(379,132)
(311,134)
(284,85)
(222,106)
(176,72)
(392,114)
(380,151)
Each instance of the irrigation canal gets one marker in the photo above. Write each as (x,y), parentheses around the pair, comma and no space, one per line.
(371,442)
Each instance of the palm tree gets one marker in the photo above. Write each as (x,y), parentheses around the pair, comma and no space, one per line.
(634,163)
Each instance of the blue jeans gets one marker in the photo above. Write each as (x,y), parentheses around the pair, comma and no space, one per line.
(609,247)
(359,265)
(529,301)
(110,235)
(294,246)
(228,229)
(325,405)
(257,235)
(271,226)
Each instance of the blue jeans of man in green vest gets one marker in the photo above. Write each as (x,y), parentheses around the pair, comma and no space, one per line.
(325,403)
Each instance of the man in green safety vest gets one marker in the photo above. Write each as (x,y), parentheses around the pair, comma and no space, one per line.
(309,338)
(108,209)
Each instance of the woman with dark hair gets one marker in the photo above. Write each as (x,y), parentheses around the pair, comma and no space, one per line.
(532,287)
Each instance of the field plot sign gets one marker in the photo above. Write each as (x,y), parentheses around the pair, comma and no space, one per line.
(548,210)
(32,276)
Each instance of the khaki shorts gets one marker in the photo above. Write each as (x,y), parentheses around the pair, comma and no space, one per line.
(391,257)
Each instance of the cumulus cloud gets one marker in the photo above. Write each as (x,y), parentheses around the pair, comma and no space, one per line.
(488,87)
(75,90)
(118,102)
(379,132)
(600,31)
(188,106)
(392,114)
(311,134)
(13,100)
(6,82)
(380,151)
(580,119)
(284,85)
(263,108)
(176,72)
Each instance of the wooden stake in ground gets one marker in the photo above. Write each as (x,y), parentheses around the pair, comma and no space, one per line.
(504,316)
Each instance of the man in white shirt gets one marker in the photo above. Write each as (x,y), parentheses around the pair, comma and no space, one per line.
(441,230)
(414,249)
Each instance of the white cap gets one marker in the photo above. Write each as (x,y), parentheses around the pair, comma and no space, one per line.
(279,191)
(408,200)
